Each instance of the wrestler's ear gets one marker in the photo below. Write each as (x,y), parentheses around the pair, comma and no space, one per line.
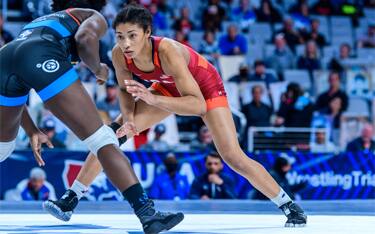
(148,31)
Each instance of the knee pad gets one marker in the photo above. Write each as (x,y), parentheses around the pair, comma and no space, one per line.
(6,149)
(102,137)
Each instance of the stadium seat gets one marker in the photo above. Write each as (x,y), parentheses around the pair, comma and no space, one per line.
(195,39)
(229,65)
(358,107)
(298,76)
(368,53)
(232,90)
(276,90)
(254,52)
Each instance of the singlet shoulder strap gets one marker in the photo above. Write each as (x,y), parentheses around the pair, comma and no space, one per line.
(156,42)
(72,16)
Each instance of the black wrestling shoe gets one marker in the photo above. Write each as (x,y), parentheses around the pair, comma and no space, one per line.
(294,213)
(154,222)
(62,208)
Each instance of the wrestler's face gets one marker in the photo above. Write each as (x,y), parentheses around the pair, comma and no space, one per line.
(131,38)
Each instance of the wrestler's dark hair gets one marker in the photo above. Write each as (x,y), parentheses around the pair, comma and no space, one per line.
(59,5)
(134,14)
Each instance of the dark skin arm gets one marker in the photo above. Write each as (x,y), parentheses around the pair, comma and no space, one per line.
(93,27)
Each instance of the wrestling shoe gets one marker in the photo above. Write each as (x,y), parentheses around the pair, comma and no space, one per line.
(294,213)
(154,222)
(62,208)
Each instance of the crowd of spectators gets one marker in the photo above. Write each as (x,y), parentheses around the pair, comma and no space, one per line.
(298,40)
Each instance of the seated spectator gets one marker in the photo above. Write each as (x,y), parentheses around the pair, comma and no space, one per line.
(170,184)
(336,63)
(157,144)
(323,7)
(36,187)
(282,57)
(109,107)
(233,43)
(182,38)
(257,113)
(295,109)
(267,13)
(324,102)
(159,21)
(314,34)
(184,23)
(283,164)
(365,142)
(292,37)
(165,8)
(213,15)
(209,48)
(243,74)
(205,141)
(49,128)
(260,73)
(5,36)
(213,184)
(321,144)
(244,15)
(310,60)
(368,40)
(301,15)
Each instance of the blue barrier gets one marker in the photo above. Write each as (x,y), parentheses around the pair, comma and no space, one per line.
(344,176)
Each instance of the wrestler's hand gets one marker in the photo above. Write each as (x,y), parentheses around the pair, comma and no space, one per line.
(126,128)
(137,89)
(102,74)
(36,141)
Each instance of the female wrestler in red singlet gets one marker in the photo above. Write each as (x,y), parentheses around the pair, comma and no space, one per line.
(183,83)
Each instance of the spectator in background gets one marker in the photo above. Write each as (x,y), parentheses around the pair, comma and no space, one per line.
(323,7)
(5,36)
(184,23)
(282,57)
(165,8)
(182,38)
(109,107)
(314,34)
(204,142)
(36,187)
(310,60)
(157,144)
(257,113)
(243,74)
(260,73)
(213,184)
(336,63)
(368,40)
(244,15)
(321,144)
(213,15)
(233,43)
(365,142)
(267,13)
(209,48)
(292,37)
(159,21)
(283,164)
(49,128)
(295,109)
(301,15)
(334,91)
(170,184)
